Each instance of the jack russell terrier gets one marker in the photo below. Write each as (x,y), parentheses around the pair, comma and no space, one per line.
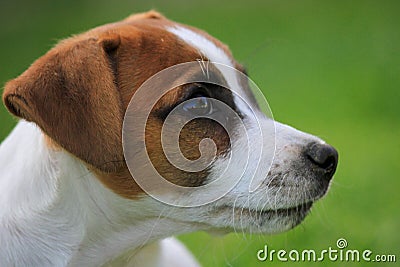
(68,196)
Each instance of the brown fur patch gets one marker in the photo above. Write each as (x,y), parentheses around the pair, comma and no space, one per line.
(189,140)
(70,93)
(152,14)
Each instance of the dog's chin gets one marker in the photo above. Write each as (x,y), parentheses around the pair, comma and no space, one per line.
(284,219)
(265,221)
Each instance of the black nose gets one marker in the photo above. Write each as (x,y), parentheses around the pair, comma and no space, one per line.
(324,156)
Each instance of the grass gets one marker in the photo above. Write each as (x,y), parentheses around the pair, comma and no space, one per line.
(328,67)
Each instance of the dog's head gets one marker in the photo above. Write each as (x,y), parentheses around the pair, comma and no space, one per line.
(80,92)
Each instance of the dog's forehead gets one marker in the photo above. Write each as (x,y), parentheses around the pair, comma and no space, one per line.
(206,47)
(164,43)
(153,25)
(191,36)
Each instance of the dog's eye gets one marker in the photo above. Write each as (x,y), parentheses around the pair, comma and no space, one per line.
(198,104)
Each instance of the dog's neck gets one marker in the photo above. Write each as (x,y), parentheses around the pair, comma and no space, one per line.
(53,208)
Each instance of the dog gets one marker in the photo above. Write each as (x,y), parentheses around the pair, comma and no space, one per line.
(68,196)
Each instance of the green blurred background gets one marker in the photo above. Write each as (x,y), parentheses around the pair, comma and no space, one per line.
(331,68)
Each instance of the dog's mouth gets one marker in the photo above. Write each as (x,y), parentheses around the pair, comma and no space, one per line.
(297,211)
(275,213)
(266,221)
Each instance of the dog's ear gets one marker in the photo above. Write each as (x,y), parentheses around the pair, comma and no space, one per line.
(71,94)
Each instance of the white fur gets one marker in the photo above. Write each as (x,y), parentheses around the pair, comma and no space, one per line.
(167,252)
(54,212)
